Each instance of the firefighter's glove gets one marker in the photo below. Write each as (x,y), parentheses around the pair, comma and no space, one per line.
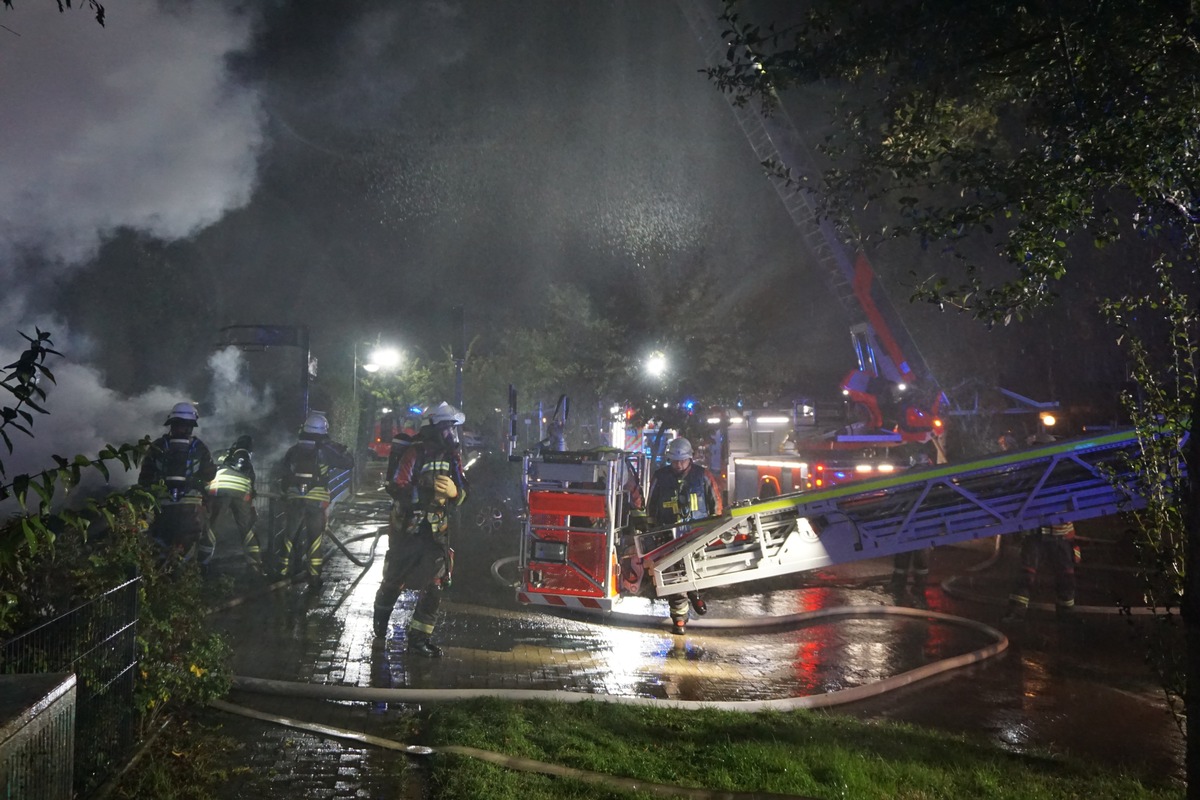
(444,488)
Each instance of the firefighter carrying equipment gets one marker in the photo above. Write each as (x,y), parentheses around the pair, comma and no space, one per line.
(680,449)
(183,412)
(306,472)
(419,557)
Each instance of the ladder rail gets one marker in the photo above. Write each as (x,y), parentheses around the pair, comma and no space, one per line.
(1066,482)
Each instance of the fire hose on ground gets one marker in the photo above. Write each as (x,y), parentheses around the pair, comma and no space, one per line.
(998,644)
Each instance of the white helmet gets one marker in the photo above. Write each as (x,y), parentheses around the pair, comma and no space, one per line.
(183,412)
(444,412)
(316,423)
(679,449)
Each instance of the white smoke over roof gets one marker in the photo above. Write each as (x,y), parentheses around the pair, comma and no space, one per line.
(134,124)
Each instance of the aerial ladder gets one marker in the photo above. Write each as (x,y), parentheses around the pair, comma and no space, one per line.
(578,549)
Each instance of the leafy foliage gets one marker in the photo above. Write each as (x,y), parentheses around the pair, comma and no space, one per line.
(1037,129)
(61,550)
(63,5)
(1161,411)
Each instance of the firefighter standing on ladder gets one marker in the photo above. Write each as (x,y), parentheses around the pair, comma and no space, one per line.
(428,477)
(681,492)
(183,466)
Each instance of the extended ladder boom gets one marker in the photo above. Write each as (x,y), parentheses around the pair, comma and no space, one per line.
(1068,481)
(775,139)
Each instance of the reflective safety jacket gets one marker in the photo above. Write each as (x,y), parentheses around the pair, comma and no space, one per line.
(1063,529)
(307,466)
(426,458)
(691,496)
(184,465)
(235,475)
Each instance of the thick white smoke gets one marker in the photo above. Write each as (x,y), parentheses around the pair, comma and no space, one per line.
(84,415)
(133,124)
(137,124)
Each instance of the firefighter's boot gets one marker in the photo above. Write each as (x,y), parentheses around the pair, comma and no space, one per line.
(1016,611)
(679,625)
(380,623)
(422,645)
(697,603)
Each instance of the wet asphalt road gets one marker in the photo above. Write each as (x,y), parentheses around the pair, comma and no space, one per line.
(1058,688)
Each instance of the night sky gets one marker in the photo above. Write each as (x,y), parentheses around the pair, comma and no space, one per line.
(359,168)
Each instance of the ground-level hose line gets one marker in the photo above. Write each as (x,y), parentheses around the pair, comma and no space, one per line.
(849,695)
(510,762)
(285,582)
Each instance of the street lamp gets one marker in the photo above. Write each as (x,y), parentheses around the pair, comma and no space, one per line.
(656,364)
(383,358)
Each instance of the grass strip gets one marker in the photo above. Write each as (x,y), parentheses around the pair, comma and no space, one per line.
(800,753)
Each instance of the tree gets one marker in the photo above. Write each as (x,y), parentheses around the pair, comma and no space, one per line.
(63,5)
(1010,141)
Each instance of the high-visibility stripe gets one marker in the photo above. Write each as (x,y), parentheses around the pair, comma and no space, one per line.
(563,601)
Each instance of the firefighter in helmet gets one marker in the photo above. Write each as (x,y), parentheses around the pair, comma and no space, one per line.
(681,492)
(428,481)
(304,482)
(180,466)
(231,494)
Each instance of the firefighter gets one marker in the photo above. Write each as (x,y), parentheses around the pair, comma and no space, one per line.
(181,466)
(1055,544)
(681,492)
(305,487)
(231,493)
(428,480)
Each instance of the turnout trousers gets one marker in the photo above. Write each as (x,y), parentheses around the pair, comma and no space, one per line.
(1056,551)
(304,536)
(418,557)
(243,515)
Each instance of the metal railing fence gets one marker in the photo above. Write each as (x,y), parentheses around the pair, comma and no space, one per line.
(97,642)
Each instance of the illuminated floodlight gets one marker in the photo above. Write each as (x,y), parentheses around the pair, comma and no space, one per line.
(713,420)
(772,420)
(383,358)
(656,364)
(1048,420)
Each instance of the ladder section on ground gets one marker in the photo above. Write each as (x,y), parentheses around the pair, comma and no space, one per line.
(1064,482)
